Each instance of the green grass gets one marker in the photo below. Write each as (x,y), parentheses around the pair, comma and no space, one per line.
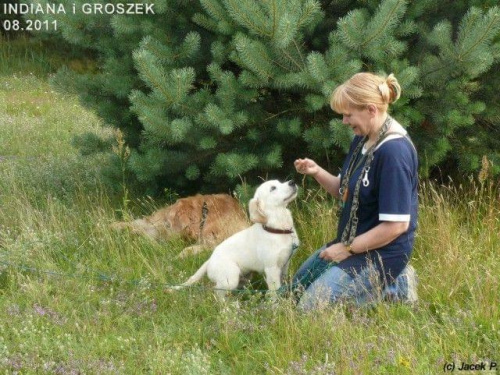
(35,56)
(23,54)
(76,297)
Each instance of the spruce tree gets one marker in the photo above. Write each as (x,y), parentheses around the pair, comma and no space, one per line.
(211,92)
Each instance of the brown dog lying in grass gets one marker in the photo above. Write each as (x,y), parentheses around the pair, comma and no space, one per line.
(206,219)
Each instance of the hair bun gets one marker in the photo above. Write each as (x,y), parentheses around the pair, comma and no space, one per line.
(394,88)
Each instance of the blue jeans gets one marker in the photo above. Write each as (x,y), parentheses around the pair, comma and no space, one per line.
(324,283)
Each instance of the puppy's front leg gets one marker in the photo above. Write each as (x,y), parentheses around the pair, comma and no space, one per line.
(273,280)
(221,295)
(284,272)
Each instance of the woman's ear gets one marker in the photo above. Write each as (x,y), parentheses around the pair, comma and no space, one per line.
(372,109)
(256,210)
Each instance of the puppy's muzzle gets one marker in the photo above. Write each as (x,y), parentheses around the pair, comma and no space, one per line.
(294,188)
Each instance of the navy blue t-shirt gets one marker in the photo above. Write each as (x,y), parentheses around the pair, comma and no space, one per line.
(391,195)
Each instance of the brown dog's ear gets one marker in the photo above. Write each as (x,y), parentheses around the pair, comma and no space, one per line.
(256,211)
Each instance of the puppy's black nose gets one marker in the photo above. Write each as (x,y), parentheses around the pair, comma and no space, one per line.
(291,183)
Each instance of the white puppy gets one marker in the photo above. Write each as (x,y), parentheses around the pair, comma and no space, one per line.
(265,247)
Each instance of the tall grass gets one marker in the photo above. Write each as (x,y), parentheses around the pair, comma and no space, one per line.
(24,54)
(34,55)
(460,233)
(76,297)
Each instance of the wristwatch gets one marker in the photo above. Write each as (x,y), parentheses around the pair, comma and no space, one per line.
(349,249)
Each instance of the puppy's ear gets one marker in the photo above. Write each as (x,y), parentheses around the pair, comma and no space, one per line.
(256,210)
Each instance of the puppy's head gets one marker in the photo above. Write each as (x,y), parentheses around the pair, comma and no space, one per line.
(270,196)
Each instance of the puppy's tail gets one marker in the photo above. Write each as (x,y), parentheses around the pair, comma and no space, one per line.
(195,278)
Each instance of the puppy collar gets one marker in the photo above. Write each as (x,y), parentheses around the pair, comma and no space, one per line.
(277,231)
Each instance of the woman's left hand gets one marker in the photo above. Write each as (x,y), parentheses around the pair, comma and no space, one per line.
(335,253)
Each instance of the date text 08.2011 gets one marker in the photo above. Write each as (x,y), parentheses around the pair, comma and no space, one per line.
(28,25)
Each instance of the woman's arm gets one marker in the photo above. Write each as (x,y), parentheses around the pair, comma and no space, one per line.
(377,237)
(328,181)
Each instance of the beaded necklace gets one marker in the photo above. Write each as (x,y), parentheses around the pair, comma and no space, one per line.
(352,223)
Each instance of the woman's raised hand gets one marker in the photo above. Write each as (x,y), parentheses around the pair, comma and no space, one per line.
(306,166)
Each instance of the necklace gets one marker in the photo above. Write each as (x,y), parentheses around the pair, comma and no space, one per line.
(352,223)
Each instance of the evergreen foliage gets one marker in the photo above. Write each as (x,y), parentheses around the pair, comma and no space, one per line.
(211,92)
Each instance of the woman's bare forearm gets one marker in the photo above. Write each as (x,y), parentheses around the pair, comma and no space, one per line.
(328,181)
(379,236)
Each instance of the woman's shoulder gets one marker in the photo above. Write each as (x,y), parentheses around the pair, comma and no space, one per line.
(393,142)
(396,142)
(399,147)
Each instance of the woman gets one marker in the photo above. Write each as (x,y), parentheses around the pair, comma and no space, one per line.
(378,192)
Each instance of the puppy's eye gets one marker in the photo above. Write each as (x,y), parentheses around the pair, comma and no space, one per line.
(273,188)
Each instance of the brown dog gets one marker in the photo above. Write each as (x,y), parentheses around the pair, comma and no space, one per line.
(206,219)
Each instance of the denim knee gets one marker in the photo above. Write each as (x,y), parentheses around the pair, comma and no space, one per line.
(404,288)
(330,286)
(310,270)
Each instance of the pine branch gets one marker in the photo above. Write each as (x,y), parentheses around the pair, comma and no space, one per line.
(300,54)
(387,21)
(287,29)
(214,9)
(354,21)
(274,18)
(309,11)
(290,58)
(255,56)
(146,71)
(490,31)
(248,17)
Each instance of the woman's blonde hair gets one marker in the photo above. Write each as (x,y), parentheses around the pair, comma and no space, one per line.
(363,89)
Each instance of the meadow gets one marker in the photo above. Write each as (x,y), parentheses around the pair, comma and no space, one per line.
(78,298)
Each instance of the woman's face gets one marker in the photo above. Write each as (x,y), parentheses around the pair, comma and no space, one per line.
(359,120)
